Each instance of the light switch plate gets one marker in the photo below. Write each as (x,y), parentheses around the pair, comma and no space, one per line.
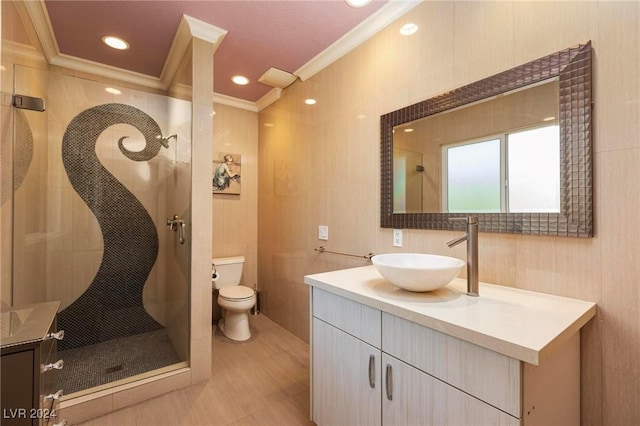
(323,232)
(397,237)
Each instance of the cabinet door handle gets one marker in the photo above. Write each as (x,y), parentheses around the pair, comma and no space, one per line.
(372,371)
(58,336)
(389,383)
(58,365)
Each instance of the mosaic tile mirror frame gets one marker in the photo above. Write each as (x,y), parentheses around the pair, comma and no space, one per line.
(572,68)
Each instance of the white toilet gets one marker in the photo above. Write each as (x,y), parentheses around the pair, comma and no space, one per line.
(233,298)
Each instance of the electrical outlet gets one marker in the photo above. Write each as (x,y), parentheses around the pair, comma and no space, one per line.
(397,237)
(323,232)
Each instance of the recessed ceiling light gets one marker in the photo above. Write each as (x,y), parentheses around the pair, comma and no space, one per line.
(408,29)
(357,3)
(113,91)
(115,42)
(408,130)
(240,80)
(310,101)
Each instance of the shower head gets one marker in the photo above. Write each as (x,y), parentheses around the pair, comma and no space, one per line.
(165,141)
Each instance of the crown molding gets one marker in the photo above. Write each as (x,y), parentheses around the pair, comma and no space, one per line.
(271,96)
(189,28)
(234,102)
(21,50)
(205,31)
(384,16)
(39,17)
(108,71)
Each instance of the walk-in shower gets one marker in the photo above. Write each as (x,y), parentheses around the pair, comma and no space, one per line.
(95,178)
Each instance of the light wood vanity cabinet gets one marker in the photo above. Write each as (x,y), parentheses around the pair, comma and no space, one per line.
(370,367)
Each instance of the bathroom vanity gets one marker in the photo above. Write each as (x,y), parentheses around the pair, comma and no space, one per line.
(384,356)
(29,365)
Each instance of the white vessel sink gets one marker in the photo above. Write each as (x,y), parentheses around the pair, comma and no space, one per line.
(416,271)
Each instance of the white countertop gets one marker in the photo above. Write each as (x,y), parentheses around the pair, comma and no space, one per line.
(521,324)
(27,323)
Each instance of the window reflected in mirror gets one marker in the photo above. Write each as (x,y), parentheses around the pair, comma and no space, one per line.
(472,177)
(528,153)
(516,172)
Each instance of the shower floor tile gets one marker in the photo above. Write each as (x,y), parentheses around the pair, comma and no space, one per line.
(113,360)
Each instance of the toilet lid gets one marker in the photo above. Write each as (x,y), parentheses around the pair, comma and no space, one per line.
(238,292)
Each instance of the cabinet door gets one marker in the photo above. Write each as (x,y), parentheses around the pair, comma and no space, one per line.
(18,395)
(492,377)
(412,397)
(344,370)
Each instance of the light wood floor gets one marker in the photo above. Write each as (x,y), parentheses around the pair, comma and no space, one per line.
(264,381)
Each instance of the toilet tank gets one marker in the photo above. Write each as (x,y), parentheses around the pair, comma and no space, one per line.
(227,271)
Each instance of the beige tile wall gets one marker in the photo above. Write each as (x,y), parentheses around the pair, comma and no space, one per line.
(235,217)
(319,166)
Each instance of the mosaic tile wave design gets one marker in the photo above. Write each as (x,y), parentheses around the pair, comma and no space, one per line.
(111,307)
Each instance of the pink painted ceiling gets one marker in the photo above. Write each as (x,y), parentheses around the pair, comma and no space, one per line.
(261,34)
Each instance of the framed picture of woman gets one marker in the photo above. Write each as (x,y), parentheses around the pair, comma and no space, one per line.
(226,173)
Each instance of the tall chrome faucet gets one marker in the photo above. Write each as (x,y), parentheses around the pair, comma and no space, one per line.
(471,237)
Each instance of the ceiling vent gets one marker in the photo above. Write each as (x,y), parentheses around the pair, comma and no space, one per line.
(277,78)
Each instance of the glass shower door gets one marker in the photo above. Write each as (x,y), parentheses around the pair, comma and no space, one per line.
(96,177)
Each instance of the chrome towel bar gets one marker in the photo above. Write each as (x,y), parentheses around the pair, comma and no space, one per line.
(321,249)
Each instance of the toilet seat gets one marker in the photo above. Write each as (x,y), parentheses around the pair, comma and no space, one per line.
(236,293)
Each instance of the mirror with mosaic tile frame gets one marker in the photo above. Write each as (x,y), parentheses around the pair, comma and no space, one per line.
(571,68)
